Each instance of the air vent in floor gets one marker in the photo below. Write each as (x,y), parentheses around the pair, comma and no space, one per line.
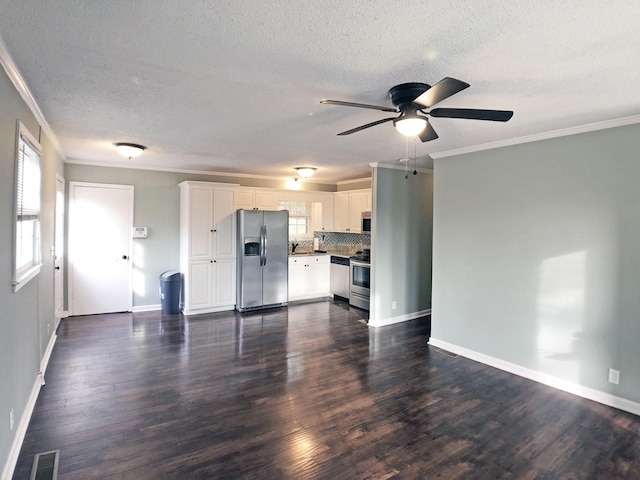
(45,466)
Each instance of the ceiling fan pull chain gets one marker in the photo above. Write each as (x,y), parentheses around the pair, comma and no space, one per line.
(406,157)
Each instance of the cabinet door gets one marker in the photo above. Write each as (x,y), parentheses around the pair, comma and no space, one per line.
(245,199)
(224,204)
(357,203)
(319,276)
(297,277)
(199,289)
(200,222)
(341,212)
(224,282)
(266,200)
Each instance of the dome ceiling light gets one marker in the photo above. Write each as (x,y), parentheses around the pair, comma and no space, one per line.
(306,172)
(130,150)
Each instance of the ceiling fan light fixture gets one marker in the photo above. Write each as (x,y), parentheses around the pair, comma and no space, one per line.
(306,172)
(410,125)
(130,150)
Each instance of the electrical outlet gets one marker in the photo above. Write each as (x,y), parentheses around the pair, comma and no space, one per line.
(393,305)
(614,376)
(11,419)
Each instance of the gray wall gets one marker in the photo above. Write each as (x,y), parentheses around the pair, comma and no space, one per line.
(157,207)
(537,256)
(401,243)
(27,314)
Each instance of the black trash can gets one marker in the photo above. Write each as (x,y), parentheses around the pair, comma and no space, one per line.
(170,283)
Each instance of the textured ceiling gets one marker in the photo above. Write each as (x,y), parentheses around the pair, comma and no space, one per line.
(234,86)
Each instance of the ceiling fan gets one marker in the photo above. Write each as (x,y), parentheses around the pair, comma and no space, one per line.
(410,98)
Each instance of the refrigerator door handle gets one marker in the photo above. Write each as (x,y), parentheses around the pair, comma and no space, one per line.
(265,245)
(261,245)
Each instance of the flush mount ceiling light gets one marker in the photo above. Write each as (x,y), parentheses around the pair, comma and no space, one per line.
(130,150)
(306,172)
(410,124)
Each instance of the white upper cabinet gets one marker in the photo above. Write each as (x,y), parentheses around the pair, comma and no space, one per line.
(245,198)
(348,208)
(249,198)
(224,231)
(210,220)
(200,222)
(266,200)
(341,212)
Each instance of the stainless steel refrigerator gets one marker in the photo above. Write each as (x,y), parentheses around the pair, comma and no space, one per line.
(262,259)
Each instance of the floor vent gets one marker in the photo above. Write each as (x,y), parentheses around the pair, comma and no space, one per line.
(45,466)
(448,354)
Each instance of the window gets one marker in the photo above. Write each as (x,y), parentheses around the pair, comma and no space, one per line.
(299,217)
(27,235)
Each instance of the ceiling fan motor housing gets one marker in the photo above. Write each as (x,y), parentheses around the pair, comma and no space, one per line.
(403,95)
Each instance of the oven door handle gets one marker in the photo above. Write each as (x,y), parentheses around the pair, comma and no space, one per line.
(357,263)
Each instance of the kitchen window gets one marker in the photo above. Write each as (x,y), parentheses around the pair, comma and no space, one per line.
(27,190)
(299,217)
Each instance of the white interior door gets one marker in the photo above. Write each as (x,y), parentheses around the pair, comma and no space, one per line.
(58,247)
(100,223)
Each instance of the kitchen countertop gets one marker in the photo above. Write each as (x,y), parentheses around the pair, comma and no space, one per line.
(328,252)
(307,254)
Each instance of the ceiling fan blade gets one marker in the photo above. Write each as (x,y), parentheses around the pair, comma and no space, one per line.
(473,114)
(441,90)
(428,133)
(362,127)
(359,105)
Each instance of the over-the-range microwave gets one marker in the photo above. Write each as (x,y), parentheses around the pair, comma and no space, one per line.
(366,222)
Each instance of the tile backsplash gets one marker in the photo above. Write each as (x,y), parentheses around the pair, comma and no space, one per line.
(335,242)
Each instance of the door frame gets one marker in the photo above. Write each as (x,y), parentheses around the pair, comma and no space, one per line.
(130,188)
(59,235)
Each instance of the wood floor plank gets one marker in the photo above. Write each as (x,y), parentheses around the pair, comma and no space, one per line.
(307,391)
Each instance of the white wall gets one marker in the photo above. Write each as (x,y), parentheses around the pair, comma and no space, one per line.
(537,257)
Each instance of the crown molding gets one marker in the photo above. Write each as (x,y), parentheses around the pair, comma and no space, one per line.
(565,132)
(393,166)
(354,180)
(138,166)
(21,86)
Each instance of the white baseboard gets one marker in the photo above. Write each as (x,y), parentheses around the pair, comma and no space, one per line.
(551,381)
(21,430)
(224,308)
(25,418)
(147,308)
(383,322)
(47,354)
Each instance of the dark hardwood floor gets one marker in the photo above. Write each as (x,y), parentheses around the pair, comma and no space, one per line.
(306,391)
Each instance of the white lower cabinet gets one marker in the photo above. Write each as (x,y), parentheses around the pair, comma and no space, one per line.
(309,277)
(210,285)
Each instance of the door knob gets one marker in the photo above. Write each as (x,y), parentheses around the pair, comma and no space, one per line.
(57,268)
(124,257)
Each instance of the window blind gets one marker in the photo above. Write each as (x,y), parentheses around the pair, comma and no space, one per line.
(28,182)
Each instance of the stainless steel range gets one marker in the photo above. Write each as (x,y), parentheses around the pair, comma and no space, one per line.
(359,279)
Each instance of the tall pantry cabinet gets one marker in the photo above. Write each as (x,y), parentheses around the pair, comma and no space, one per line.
(207,246)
